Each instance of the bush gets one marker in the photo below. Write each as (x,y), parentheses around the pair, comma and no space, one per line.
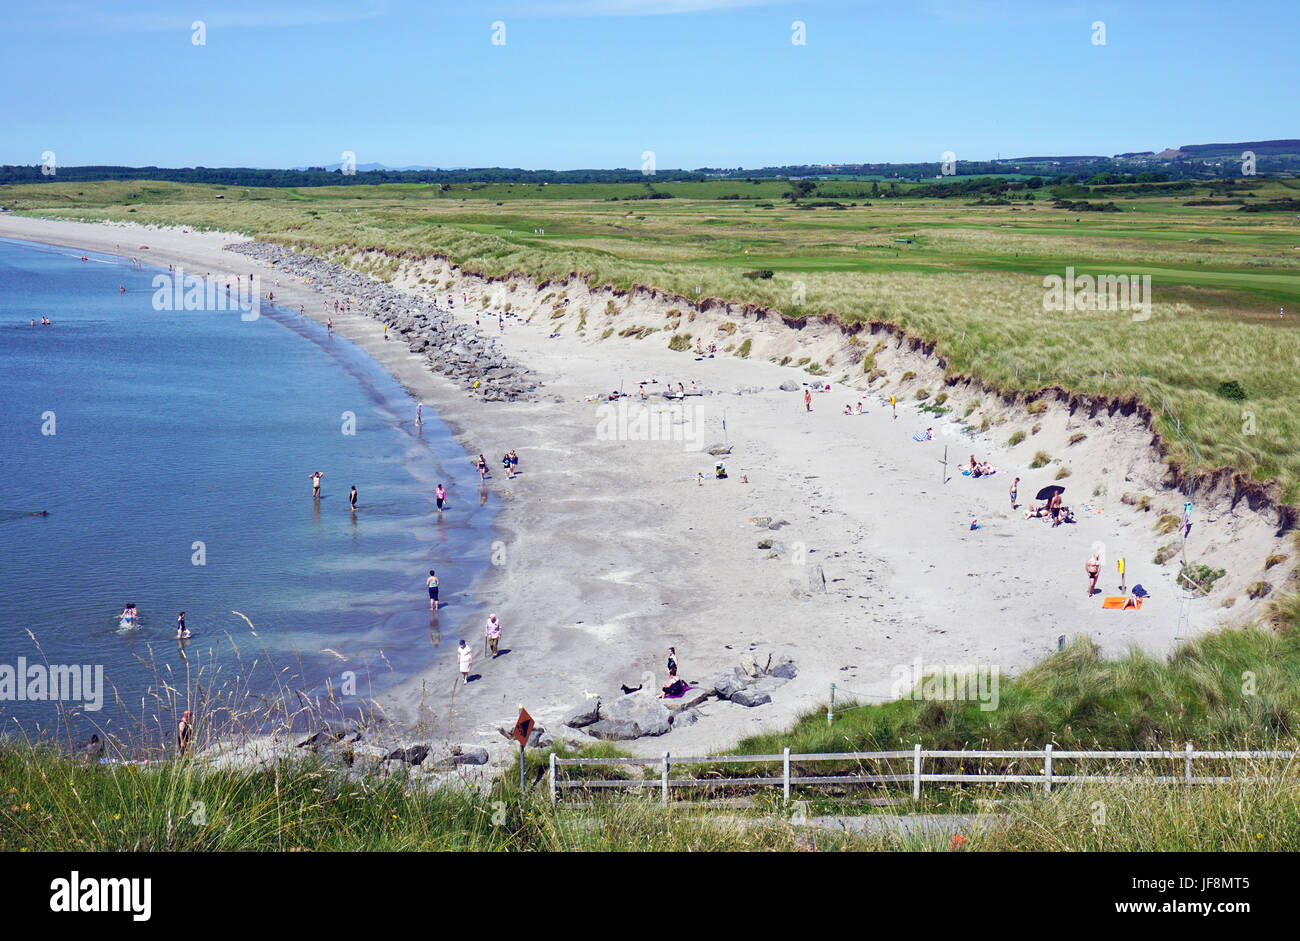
(1273,560)
(1015,439)
(922,394)
(743,352)
(1063,473)
(1258,589)
(1077,437)
(1168,523)
(761,274)
(680,342)
(941,398)
(1041,459)
(1200,576)
(1036,407)
(1231,389)
(907,376)
(1165,553)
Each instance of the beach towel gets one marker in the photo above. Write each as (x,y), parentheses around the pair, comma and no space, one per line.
(685,689)
(1119,602)
(922,436)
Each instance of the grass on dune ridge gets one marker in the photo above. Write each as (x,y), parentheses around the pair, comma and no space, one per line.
(1237,689)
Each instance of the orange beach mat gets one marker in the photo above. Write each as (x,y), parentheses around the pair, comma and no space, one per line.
(1117,603)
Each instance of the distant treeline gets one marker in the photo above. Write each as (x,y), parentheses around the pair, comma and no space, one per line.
(319,176)
(1200,162)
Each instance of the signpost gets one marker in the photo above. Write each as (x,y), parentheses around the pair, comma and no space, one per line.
(522,730)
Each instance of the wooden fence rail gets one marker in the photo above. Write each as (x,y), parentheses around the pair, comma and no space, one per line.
(1048,777)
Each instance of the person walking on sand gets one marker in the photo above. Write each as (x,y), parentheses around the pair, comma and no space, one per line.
(492,631)
(807,400)
(419,413)
(1014,485)
(183,733)
(1093,568)
(464,658)
(482,468)
(432,584)
(352,499)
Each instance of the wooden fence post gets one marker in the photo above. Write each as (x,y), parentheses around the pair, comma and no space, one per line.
(1189,763)
(663,781)
(916,772)
(1047,768)
(786,762)
(554,792)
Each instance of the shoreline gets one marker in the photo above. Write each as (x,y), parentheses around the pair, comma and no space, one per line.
(612,551)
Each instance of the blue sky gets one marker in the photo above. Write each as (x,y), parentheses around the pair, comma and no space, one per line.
(594,83)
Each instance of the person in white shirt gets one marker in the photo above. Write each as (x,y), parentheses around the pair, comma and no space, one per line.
(465,657)
(492,631)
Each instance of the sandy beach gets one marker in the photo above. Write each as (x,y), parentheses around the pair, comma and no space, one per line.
(611,547)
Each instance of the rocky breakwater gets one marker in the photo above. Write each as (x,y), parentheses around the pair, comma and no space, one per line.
(451,349)
(639,713)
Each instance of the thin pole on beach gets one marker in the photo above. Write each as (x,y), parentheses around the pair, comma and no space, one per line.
(830,710)
(943,474)
(725,442)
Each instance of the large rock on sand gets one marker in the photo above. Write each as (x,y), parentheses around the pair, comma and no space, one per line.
(750,697)
(584,715)
(789,386)
(643,709)
(610,730)
(730,682)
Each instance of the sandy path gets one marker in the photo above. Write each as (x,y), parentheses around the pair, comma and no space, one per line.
(612,551)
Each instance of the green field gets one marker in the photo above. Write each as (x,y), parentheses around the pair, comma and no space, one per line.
(968,277)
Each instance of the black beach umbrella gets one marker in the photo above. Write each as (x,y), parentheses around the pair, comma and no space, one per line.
(1049,491)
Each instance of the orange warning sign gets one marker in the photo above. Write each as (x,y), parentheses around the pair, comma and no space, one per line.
(523,728)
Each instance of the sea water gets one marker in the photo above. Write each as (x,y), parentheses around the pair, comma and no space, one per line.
(172,452)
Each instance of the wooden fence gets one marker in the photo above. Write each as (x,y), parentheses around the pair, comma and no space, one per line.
(1183,761)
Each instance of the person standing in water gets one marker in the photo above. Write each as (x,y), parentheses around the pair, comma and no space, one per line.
(181,629)
(183,733)
(419,413)
(315,485)
(440,496)
(432,584)
(352,499)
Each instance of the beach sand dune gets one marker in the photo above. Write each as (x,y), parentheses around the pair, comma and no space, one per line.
(848,550)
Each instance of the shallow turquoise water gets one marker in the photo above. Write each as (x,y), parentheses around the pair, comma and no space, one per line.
(172,428)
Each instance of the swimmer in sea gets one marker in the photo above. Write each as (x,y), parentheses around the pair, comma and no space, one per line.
(315,485)
(352,499)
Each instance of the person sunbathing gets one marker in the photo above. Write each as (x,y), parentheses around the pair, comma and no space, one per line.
(674,688)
